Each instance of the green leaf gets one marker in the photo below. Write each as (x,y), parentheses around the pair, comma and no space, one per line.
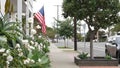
(44,59)
(37,54)
(30,55)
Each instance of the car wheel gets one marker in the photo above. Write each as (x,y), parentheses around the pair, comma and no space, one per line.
(118,56)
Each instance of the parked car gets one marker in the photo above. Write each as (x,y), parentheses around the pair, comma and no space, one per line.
(112,47)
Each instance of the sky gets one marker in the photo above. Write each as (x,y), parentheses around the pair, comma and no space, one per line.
(50,10)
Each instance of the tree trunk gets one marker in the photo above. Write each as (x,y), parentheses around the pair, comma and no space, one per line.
(65,43)
(97,36)
(75,34)
(91,48)
(92,34)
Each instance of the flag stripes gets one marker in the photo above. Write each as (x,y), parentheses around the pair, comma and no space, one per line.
(40,17)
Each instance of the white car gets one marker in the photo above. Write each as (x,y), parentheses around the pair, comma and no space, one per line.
(112,47)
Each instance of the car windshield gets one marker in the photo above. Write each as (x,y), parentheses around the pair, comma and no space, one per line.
(117,40)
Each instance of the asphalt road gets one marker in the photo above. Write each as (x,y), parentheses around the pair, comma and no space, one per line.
(98,47)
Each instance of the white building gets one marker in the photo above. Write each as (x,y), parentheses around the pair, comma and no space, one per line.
(20,8)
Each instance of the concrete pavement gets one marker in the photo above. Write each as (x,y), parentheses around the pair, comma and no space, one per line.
(99,67)
(62,58)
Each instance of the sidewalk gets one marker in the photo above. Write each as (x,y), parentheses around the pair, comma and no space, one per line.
(64,58)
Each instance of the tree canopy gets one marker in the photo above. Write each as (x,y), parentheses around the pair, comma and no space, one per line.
(51,32)
(116,28)
(65,28)
(96,13)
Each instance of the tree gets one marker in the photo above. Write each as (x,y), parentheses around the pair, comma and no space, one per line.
(50,33)
(65,28)
(116,28)
(96,13)
(102,37)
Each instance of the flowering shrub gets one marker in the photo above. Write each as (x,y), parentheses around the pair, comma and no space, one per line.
(10,57)
(43,43)
(18,53)
(23,56)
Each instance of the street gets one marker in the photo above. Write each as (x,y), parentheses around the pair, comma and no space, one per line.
(99,47)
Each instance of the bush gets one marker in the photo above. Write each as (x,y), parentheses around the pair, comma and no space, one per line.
(108,57)
(83,55)
(18,53)
(79,37)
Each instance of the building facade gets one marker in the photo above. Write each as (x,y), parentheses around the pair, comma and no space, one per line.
(20,8)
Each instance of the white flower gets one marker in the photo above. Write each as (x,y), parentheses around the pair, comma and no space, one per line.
(19,49)
(9,58)
(2,50)
(31,47)
(28,47)
(39,47)
(100,9)
(27,61)
(20,54)
(33,31)
(4,54)
(25,42)
(32,42)
(8,51)
(118,13)
(17,46)
(41,44)
(30,20)
(39,36)
(38,27)
(7,62)
(39,60)
(36,44)
(32,61)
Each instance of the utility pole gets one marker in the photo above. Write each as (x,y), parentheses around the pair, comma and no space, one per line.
(57,19)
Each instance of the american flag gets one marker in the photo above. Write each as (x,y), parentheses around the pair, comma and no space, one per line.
(40,17)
